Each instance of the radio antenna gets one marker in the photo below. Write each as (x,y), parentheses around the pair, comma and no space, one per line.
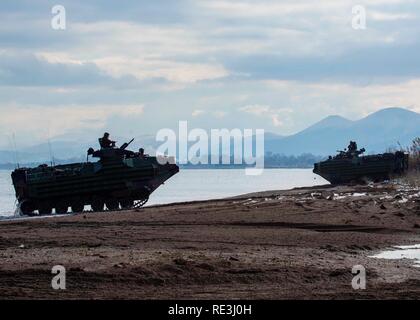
(12,150)
(15,150)
(50,149)
(51,154)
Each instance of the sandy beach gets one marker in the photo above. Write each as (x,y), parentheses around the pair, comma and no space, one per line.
(293,244)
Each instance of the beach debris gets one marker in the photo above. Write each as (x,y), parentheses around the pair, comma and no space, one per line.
(249,201)
(338,196)
(359,194)
(387,197)
(415,195)
(119,265)
(316,195)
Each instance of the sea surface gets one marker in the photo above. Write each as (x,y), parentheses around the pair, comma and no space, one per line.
(402,252)
(199,184)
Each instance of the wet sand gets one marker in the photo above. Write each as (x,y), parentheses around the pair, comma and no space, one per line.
(300,243)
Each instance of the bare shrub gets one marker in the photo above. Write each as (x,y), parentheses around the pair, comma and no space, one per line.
(413,175)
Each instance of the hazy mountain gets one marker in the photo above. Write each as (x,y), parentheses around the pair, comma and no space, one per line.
(330,123)
(268,136)
(376,133)
(65,149)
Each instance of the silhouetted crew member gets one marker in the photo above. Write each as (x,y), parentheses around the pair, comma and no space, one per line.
(352,147)
(105,142)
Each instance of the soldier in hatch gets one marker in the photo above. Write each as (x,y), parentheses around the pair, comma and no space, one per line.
(105,142)
(352,148)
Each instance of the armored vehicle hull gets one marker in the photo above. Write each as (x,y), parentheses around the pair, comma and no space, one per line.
(120,179)
(346,169)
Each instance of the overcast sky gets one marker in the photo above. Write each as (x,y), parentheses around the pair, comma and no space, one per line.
(132,67)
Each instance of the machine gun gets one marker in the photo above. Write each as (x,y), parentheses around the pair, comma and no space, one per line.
(348,154)
(359,152)
(109,153)
(126,144)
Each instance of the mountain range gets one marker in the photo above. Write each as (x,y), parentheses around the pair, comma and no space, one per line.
(379,131)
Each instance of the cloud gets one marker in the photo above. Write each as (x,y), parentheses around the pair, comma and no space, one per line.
(211,40)
(277,116)
(171,71)
(380,64)
(253,9)
(219,114)
(232,61)
(18,69)
(197,113)
(385,16)
(45,122)
(255,109)
(346,99)
(152,55)
(273,8)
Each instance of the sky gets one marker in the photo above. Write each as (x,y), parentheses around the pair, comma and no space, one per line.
(132,67)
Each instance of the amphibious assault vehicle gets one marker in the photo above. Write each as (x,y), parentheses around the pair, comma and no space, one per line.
(349,166)
(120,179)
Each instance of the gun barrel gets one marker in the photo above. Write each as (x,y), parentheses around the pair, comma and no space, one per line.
(125,145)
(130,142)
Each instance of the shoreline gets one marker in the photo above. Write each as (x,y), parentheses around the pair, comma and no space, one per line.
(291,244)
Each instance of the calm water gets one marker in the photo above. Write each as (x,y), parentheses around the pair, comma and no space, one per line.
(402,252)
(199,184)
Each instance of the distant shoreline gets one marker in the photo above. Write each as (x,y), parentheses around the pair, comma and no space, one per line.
(12,167)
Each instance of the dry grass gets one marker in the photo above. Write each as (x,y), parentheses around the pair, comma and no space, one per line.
(413,174)
(412,178)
